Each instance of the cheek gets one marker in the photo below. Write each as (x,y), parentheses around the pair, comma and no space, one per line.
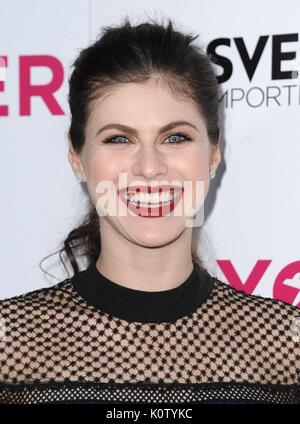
(101,172)
(195,170)
(193,165)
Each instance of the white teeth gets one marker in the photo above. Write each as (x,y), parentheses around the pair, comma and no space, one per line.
(155,198)
(142,204)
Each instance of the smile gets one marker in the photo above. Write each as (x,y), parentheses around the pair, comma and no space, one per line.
(152,205)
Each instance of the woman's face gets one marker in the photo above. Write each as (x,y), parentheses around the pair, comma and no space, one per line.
(147,157)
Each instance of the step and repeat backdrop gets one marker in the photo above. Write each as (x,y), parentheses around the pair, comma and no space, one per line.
(250,236)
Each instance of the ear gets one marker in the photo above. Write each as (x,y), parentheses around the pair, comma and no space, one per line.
(216,156)
(74,159)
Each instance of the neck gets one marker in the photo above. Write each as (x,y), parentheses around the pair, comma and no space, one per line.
(144,268)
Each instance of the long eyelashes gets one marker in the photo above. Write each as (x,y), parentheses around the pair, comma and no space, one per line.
(111,140)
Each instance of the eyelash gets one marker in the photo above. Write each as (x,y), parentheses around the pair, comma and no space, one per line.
(109,140)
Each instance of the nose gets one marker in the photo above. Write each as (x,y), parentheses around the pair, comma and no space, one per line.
(149,163)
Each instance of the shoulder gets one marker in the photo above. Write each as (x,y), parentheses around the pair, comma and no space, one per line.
(12,306)
(27,319)
(254,304)
(25,307)
(268,330)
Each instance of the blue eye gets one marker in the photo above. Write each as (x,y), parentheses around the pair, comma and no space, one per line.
(116,137)
(179,135)
(114,140)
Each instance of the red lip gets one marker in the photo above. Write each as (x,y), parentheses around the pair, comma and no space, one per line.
(152,212)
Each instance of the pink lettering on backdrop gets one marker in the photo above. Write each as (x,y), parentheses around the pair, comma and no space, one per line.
(45,91)
(251,282)
(3,65)
(287,284)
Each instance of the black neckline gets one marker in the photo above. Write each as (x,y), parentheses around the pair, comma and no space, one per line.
(143,306)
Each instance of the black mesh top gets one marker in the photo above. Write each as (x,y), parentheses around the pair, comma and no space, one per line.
(88,339)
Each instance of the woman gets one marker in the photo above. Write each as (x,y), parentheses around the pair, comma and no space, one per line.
(145,321)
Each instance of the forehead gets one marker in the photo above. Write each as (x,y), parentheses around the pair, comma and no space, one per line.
(142,104)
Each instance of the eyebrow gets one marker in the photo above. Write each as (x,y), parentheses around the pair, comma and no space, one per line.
(133,131)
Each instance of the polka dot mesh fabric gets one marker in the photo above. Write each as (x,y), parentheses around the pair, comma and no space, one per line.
(235,347)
